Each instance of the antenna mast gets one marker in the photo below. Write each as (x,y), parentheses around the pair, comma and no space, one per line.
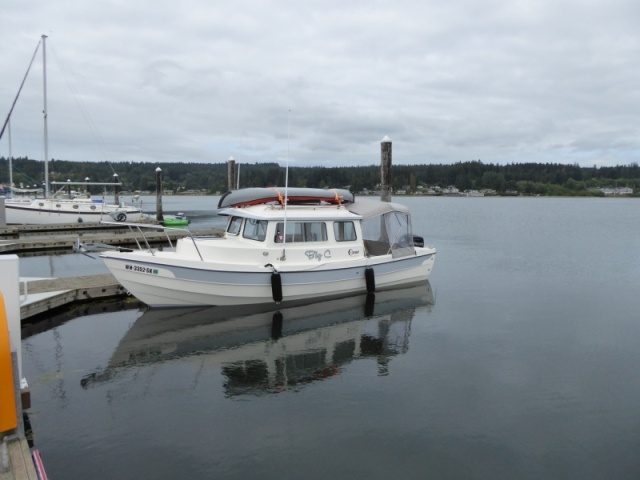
(44,112)
(286,192)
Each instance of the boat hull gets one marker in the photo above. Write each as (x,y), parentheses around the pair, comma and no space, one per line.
(171,282)
(45,212)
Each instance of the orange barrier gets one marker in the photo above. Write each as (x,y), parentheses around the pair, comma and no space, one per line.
(8,413)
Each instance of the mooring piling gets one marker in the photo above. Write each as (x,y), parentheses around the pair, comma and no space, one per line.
(385,169)
(231,173)
(159,215)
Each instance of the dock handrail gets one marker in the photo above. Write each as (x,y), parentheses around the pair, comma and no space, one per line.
(139,226)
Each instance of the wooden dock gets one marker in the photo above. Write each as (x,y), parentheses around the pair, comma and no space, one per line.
(20,462)
(39,296)
(44,238)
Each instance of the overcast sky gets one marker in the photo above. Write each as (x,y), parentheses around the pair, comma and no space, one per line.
(322,82)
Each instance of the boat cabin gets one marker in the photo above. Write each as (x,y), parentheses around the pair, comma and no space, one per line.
(363,228)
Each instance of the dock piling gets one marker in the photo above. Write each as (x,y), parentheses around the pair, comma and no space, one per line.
(116,193)
(159,215)
(385,169)
(231,173)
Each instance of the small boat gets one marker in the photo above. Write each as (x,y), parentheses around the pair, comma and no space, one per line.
(176,221)
(280,252)
(45,211)
(54,209)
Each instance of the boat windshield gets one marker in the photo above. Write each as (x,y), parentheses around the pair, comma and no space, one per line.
(255,229)
(233,227)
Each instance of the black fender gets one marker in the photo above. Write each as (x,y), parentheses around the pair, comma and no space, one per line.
(370,277)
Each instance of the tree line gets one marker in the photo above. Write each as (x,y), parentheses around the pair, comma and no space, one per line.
(521,178)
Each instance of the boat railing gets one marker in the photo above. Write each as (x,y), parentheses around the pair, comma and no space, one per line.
(139,226)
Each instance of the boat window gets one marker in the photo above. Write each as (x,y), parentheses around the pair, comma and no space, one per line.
(344,231)
(255,229)
(233,228)
(298,232)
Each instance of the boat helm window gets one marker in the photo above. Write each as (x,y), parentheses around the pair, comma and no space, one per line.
(298,232)
(233,228)
(344,231)
(255,229)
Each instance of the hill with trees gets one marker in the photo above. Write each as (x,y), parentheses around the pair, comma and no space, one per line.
(513,178)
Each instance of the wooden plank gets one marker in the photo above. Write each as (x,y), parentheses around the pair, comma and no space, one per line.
(67,283)
(28,460)
(21,462)
(118,237)
(72,289)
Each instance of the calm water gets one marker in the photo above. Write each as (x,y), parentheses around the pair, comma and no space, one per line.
(518,361)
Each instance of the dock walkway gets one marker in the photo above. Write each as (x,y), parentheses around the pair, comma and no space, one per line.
(40,295)
(20,462)
(34,238)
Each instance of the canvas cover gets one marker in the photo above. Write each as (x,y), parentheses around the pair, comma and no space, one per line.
(386,227)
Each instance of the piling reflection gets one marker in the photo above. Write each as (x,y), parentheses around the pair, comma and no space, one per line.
(260,350)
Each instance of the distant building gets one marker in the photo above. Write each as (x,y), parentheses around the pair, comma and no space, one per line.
(473,193)
(617,191)
(450,190)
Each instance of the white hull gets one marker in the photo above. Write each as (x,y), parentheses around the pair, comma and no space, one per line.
(187,282)
(50,211)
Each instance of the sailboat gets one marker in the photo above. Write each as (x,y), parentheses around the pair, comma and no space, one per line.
(51,209)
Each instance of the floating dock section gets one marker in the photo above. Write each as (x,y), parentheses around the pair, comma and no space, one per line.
(41,295)
(43,238)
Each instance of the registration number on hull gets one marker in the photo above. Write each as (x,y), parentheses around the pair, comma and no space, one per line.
(140,269)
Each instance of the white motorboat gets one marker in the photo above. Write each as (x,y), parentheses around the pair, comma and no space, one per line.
(281,251)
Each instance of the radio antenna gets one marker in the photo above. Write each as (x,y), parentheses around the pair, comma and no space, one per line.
(286,192)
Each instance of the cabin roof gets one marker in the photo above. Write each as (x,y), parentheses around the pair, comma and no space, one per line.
(293,212)
(371,208)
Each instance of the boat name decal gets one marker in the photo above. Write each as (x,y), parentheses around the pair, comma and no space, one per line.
(353,252)
(138,268)
(317,255)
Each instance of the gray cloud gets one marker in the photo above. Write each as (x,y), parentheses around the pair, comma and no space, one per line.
(545,81)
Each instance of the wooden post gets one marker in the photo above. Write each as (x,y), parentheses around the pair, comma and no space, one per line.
(385,169)
(231,173)
(159,215)
(116,189)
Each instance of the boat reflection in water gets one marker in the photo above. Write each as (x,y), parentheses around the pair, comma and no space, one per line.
(267,350)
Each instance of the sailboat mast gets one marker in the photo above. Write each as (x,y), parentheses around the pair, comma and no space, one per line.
(10,162)
(44,111)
